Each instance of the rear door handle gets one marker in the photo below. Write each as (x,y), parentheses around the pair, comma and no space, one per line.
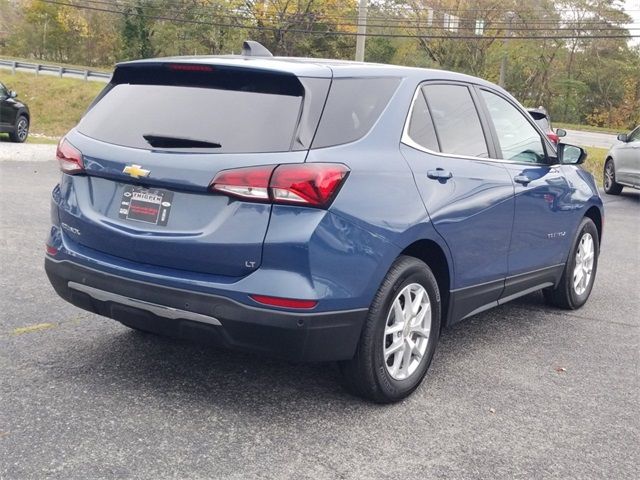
(439,174)
(522,179)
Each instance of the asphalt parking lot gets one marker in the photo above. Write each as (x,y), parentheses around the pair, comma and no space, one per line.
(521,391)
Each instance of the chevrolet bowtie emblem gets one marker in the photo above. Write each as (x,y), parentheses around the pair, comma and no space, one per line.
(136,171)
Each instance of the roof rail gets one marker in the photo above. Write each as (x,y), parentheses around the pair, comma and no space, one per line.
(255,49)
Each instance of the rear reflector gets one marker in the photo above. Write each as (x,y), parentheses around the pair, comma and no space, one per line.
(308,184)
(51,250)
(69,158)
(284,302)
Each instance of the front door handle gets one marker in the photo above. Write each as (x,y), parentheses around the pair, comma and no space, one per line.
(439,174)
(522,179)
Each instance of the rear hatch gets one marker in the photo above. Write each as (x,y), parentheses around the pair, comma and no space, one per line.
(156,137)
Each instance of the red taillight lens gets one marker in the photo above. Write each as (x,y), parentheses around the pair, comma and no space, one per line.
(51,250)
(310,184)
(284,302)
(69,158)
(553,137)
(249,183)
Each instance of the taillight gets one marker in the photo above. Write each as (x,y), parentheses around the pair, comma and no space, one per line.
(51,250)
(309,184)
(250,183)
(69,158)
(284,302)
(553,137)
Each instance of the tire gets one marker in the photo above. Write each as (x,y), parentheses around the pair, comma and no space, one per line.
(610,185)
(21,131)
(368,375)
(571,294)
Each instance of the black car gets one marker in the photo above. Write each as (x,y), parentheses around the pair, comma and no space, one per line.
(14,115)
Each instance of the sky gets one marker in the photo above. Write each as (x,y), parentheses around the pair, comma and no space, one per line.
(632,7)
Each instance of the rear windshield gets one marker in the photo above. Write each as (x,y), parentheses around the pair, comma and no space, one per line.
(237,115)
(543,123)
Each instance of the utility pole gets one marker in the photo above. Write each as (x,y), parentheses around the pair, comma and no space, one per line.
(362,30)
(505,44)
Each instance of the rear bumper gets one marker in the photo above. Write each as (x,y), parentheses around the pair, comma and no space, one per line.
(298,336)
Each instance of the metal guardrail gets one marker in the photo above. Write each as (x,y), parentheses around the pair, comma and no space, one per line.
(59,70)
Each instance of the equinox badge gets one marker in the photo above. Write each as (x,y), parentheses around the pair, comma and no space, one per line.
(136,171)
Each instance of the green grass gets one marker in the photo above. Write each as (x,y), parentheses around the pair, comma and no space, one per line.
(56,104)
(595,162)
(588,128)
(4,137)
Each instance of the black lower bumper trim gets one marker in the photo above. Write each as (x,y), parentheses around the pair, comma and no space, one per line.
(325,336)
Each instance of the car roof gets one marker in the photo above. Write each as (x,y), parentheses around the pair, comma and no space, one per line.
(318,67)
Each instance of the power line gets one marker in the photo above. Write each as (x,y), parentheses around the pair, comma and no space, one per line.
(335,33)
(313,16)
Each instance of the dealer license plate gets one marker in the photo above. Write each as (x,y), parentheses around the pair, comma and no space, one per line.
(149,205)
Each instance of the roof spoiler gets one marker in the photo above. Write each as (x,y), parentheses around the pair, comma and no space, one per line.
(255,49)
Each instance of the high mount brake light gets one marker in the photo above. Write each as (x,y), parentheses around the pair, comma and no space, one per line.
(187,67)
(308,184)
(69,158)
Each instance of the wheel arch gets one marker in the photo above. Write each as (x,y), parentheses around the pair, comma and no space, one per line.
(23,112)
(595,215)
(431,253)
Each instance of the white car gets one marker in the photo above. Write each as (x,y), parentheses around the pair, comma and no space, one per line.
(622,167)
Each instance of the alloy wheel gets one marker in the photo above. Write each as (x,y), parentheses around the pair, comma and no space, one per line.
(406,332)
(608,175)
(584,264)
(22,129)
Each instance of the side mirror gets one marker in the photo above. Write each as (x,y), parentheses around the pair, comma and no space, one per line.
(561,132)
(623,137)
(13,94)
(571,155)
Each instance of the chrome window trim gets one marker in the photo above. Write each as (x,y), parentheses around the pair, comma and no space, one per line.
(408,141)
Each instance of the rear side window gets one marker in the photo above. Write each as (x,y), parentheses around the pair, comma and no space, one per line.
(353,107)
(421,129)
(456,120)
(227,112)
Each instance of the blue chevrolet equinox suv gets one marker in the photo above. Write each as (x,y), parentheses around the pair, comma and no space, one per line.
(315,210)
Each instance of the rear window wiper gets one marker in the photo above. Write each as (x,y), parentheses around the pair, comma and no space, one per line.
(164,141)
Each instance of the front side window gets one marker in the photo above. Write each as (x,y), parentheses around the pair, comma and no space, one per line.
(519,140)
(3,91)
(635,135)
(456,120)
